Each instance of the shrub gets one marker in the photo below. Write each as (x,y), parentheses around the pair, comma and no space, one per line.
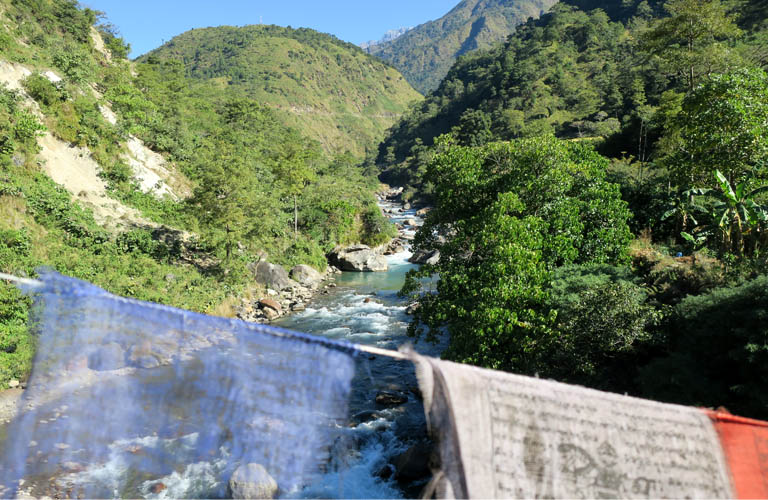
(42,90)
(717,352)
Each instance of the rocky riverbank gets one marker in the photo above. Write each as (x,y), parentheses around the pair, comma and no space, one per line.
(291,291)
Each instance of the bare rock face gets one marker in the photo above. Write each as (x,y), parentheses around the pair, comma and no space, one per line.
(252,481)
(360,258)
(306,275)
(272,276)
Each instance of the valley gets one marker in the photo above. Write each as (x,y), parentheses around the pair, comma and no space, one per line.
(573,190)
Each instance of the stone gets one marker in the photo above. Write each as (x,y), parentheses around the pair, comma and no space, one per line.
(107,357)
(424,211)
(359,258)
(412,308)
(365,416)
(157,488)
(406,206)
(385,398)
(268,303)
(298,307)
(306,275)
(72,467)
(431,257)
(411,222)
(271,314)
(252,481)
(413,463)
(18,159)
(272,275)
(367,300)
(14,384)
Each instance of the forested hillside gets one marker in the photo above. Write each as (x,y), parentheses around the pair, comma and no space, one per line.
(614,72)
(599,186)
(327,89)
(237,184)
(425,54)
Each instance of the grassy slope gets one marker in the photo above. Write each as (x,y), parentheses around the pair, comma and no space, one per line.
(327,89)
(425,54)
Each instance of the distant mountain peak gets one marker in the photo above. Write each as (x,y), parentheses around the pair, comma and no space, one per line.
(389,36)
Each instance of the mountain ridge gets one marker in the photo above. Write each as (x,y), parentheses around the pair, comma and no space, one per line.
(299,69)
(425,53)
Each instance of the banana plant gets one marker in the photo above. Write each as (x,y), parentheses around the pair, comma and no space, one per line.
(737,215)
(684,209)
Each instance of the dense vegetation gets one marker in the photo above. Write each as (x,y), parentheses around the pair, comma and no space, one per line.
(617,237)
(578,74)
(426,53)
(327,89)
(258,187)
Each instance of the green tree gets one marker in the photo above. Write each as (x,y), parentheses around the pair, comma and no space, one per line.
(506,215)
(687,40)
(723,126)
(296,170)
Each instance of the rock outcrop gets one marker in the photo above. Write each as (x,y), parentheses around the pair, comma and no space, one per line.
(359,258)
(272,276)
(306,275)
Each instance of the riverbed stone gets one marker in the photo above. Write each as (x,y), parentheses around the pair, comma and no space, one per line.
(386,398)
(359,258)
(110,356)
(306,275)
(268,303)
(272,275)
(252,481)
(413,463)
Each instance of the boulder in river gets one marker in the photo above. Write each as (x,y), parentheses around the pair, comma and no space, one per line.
(360,258)
(306,275)
(413,463)
(430,257)
(252,481)
(424,211)
(411,222)
(270,304)
(385,398)
(272,275)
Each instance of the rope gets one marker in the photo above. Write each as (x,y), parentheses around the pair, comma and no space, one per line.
(362,348)
(22,281)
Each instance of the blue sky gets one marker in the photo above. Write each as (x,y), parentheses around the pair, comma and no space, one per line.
(146,24)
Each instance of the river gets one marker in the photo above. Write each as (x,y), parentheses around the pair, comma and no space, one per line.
(162,431)
(364,308)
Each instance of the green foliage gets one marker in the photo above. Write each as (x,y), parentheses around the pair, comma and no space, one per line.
(603,319)
(75,63)
(506,215)
(723,125)
(602,71)
(717,351)
(425,54)
(328,90)
(43,90)
(687,40)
